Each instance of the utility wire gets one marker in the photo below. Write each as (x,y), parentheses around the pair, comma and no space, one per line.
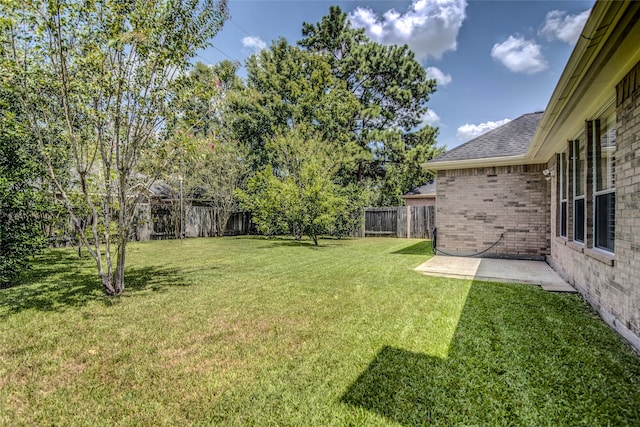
(239,26)
(225,54)
(207,62)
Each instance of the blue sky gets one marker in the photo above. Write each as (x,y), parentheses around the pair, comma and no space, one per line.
(494,60)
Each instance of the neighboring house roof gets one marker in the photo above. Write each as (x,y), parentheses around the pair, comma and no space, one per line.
(425,191)
(161,189)
(510,139)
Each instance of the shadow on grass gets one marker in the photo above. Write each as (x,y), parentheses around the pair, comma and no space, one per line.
(420,248)
(519,357)
(61,280)
(278,242)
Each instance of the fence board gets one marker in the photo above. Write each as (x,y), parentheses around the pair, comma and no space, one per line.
(422,221)
(396,221)
(161,221)
(381,222)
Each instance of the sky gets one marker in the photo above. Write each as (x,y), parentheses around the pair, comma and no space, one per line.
(493,60)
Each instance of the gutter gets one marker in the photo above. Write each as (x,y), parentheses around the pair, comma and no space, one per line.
(521,159)
(604,17)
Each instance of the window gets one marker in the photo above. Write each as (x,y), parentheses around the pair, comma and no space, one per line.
(578,155)
(563,194)
(604,148)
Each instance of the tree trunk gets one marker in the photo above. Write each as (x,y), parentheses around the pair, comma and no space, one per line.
(107,284)
(120,263)
(113,281)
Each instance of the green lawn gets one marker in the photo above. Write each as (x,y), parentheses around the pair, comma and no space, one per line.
(252,331)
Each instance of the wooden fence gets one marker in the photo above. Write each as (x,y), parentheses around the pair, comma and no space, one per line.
(159,221)
(400,221)
(162,221)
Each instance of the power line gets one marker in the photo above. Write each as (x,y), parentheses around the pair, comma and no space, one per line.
(225,54)
(239,26)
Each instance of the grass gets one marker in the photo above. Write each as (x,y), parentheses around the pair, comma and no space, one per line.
(251,331)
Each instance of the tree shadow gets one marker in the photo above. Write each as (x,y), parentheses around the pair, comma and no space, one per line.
(420,248)
(292,243)
(61,280)
(516,358)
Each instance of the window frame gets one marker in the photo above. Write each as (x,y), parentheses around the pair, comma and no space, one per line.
(563,199)
(595,170)
(577,177)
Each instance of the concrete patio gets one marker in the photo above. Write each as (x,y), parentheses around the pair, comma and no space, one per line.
(496,270)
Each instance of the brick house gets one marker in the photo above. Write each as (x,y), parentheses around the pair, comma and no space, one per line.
(424,195)
(473,210)
(563,185)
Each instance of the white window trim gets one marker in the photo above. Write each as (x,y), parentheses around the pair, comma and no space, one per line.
(575,148)
(563,193)
(594,172)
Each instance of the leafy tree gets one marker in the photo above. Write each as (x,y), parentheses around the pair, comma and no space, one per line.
(202,96)
(402,156)
(391,89)
(218,168)
(24,197)
(211,162)
(297,195)
(288,88)
(268,203)
(100,74)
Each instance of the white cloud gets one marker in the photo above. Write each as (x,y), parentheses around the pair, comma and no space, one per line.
(470,131)
(429,27)
(430,118)
(560,26)
(520,55)
(254,42)
(441,78)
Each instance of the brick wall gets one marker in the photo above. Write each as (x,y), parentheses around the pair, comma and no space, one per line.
(627,241)
(475,206)
(611,283)
(421,201)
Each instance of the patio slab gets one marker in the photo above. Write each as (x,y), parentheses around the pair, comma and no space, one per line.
(496,270)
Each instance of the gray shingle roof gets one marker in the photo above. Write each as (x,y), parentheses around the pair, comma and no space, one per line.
(428,189)
(511,139)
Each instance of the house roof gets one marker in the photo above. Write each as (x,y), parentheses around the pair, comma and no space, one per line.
(604,53)
(425,191)
(510,139)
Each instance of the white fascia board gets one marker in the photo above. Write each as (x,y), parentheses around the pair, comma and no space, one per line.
(478,163)
(588,81)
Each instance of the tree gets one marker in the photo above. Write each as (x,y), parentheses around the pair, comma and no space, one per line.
(100,74)
(211,162)
(202,97)
(402,156)
(297,195)
(218,168)
(288,88)
(391,89)
(24,197)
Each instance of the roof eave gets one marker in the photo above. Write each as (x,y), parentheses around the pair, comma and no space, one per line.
(478,163)
(559,116)
(419,196)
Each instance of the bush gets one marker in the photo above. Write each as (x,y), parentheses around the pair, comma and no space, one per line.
(23,202)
